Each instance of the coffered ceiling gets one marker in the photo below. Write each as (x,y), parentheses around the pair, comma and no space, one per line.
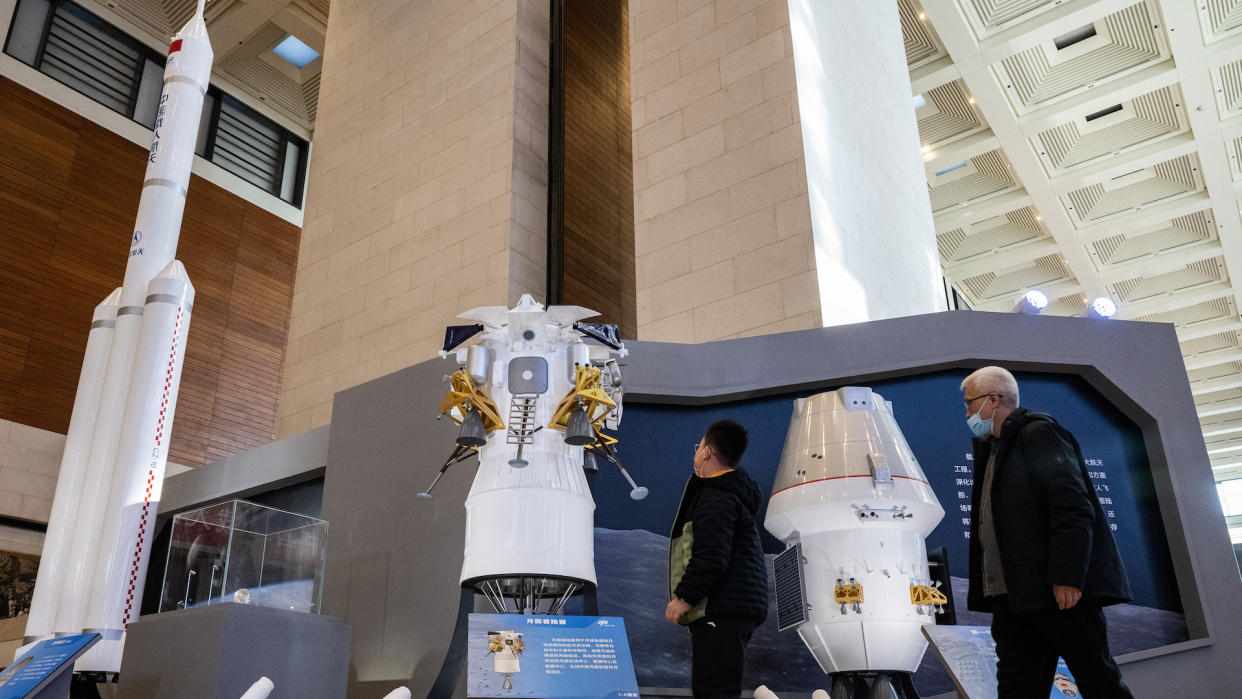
(1092,148)
(243,34)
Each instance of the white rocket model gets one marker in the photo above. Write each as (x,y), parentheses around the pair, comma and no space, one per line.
(532,399)
(853,505)
(110,482)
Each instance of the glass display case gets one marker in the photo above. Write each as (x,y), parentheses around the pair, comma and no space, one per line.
(239,551)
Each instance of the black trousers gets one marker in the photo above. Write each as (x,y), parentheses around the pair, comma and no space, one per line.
(1028,644)
(718,656)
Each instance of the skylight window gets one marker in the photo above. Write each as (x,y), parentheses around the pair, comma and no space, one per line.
(295,52)
(919,102)
(950,168)
(1068,39)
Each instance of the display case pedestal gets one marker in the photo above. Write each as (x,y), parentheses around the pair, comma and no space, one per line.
(219,650)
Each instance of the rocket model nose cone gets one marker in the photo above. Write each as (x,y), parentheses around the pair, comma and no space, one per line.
(174,270)
(112,299)
(106,310)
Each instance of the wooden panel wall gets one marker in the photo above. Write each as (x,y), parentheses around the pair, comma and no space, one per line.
(599,169)
(68,196)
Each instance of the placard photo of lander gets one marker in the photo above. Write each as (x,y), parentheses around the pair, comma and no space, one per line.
(549,657)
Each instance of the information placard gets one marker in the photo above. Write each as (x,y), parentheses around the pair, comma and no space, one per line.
(43,665)
(550,657)
(969,654)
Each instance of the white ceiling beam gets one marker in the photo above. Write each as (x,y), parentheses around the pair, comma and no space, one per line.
(1124,162)
(1223,383)
(1224,461)
(956,151)
(1207,329)
(1159,263)
(1221,425)
(1186,43)
(959,40)
(1110,93)
(981,210)
(1000,259)
(941,71)
(1225,458)
(1222,52)
(1223,446)
(1213,358)
(1171,301)
(1209,409)
(1140,218)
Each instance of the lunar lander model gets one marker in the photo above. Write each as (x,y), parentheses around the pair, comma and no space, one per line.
(532,398)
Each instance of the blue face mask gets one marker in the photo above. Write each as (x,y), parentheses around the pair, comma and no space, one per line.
(978,426)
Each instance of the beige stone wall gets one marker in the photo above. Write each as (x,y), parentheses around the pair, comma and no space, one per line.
(723,229)
(29,465)
(29,462)
(426,192)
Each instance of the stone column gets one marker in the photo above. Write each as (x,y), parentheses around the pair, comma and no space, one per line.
(427,187)
(875,243)
(777,170)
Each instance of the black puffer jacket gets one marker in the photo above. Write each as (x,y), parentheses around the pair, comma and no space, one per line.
(715,559)
(1050,528)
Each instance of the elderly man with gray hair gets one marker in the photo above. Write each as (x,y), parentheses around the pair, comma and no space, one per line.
(1042,558)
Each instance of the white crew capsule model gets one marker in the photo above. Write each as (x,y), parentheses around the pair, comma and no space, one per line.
(854,507)
(532,399)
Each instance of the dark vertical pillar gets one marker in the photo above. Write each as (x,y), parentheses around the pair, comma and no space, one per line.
(556,154)
(591,170)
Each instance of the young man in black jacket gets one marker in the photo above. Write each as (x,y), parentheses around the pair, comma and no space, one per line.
(718,581)
(1042,557)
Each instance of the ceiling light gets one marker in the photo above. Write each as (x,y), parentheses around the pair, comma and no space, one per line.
(296,52)
(1031,303)
(971,100)
(1102,307)
(922,15)
(926,149)
(919,102)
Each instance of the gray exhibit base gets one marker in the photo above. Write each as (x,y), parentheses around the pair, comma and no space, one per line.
(220,650)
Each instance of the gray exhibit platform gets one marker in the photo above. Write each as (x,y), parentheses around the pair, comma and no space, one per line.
(220,650)
(393,565)
(393,562)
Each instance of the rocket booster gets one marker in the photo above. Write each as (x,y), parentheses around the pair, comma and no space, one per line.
(61,524)
(141,457)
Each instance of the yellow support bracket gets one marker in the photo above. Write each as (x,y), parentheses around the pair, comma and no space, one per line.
(465,395)
(927,596)
(848,594)
(587,393)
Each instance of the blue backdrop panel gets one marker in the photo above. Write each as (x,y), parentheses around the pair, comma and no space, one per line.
(657,442)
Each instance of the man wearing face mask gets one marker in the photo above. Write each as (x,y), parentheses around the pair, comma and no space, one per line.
(718,582)
(1042,558)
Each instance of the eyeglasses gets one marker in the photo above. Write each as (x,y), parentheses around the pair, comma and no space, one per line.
(968,401)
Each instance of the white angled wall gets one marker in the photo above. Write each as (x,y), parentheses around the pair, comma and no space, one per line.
(875,247)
